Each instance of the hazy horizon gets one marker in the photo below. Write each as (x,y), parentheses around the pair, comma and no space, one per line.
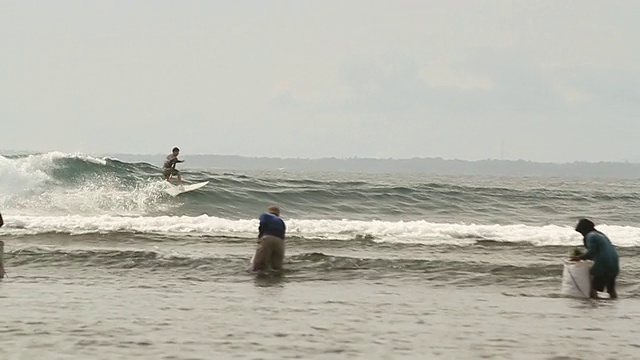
(186,155)
(183,156)
(539,81)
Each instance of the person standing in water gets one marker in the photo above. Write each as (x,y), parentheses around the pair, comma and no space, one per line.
(270,252)
(1,246)
(169,167)
(606,265)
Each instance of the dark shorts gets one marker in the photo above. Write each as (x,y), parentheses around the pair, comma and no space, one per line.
(167,172)
(599,283)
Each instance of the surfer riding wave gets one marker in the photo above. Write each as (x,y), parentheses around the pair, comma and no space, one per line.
(169,168)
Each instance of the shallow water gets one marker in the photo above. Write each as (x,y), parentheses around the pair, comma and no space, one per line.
(105,315)
(488,301)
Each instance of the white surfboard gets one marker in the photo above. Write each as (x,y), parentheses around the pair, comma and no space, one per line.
(181,189)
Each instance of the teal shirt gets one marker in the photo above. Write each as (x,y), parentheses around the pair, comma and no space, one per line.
(603,254)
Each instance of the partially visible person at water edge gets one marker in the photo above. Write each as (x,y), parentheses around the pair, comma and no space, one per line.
(1,263)
(606,265)
(270,252)
(169,167)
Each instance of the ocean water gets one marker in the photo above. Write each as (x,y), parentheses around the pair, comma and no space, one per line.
(102,264)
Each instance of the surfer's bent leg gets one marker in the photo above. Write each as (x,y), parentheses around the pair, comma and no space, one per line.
(172,172)
(176,173)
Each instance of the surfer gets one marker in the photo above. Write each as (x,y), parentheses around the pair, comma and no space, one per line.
(606,265)
(1,221)
(270,251)
(169,167)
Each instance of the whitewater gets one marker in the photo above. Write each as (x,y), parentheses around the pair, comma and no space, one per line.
(78,194)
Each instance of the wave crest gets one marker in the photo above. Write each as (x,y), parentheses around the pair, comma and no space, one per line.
(394,232)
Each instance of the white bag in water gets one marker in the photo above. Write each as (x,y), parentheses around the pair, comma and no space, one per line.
(253,257)
(576,279)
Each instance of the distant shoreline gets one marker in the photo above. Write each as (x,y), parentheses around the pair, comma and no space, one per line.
(434,166)
(415,165)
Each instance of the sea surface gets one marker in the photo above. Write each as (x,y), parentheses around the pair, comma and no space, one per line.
(103,264)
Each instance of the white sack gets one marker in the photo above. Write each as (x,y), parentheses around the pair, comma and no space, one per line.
(576,280)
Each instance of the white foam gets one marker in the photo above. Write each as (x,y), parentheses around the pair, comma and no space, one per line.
(96,197)
(27,188)
(22,173)
(44,161)
(30,171)
(413,232)
(55,155)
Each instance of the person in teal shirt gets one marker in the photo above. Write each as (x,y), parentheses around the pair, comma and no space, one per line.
(606,264)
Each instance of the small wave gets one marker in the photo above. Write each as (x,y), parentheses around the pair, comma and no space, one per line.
(205,265)
(312,264)
(127,259)
(400,232)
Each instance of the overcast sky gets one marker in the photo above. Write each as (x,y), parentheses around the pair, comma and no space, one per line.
(535,80)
